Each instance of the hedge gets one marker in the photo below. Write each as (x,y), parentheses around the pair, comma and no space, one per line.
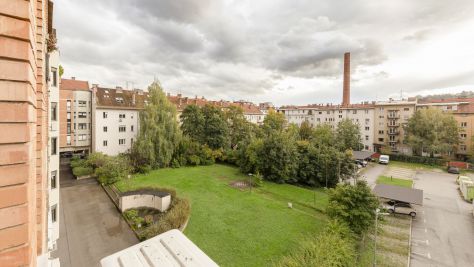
(82,171)
(418,159)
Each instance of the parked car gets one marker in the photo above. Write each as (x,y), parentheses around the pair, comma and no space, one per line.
(400,207)
(453,169)
(363,163)
(384,159)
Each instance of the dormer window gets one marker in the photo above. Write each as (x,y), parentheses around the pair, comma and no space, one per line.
(119,100)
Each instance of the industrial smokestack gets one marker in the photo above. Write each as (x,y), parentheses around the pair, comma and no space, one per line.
(346,93)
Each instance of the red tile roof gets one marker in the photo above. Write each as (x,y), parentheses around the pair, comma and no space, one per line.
(182,102)
(73,84)
(446,100)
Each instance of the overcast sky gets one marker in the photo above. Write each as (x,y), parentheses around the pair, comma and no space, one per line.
(287,52)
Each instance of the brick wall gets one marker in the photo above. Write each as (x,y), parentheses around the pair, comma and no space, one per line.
(23,131)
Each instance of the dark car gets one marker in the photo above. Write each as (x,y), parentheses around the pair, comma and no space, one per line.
(453,169)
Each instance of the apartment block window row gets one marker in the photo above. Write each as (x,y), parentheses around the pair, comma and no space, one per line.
(68,105)
(82,103)
(105,129)
(82,115)
(104,115)
(82,137)
(121,116)
(463,124)
(82,126)
(54,111)
(104,143)
(122,128)
(121,141)
(54,213)
(54,145)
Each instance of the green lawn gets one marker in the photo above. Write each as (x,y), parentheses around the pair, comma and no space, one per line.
(395,181)
(239,228)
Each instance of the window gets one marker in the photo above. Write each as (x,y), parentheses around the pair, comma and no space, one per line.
(131,142)
(54,211)
(54,73)
(462,147)
(82,103)
(104,143)
(54,145)
(104,115)
(82,137)
(105,129)
(366,138)
(463,136)
(131,127)
(354,111)
(68,127)
(340,116)
(68,105)
(122,128)
(367,128)
(54,175)
(82,115)
(380,139)
(54,111)
(119,100)
(68,116)
(340,111)
(121,141)
(464,124)
(82,126)
(122,116)
(68,139)
(366,111)
(406,109)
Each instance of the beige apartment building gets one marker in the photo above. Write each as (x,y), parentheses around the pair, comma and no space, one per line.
(390,118)
(26,36)
(75,115)
(463,111)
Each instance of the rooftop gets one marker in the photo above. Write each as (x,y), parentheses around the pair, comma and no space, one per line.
(73,84)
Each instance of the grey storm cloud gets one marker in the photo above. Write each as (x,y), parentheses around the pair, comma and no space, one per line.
(236,49)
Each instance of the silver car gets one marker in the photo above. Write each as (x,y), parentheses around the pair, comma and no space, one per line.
(400,207)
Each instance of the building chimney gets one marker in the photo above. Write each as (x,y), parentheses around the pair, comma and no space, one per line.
(133,98)
(346,93)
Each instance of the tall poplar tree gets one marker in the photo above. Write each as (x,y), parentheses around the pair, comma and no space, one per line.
(159,131)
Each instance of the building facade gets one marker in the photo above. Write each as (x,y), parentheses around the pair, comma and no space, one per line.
(390,119)
(26,37)
(75,114)
(116,120)
(53,151)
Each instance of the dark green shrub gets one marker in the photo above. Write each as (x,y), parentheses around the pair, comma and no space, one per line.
(96,160)
(78,163)
(133,218)
(113,170)
(82,171)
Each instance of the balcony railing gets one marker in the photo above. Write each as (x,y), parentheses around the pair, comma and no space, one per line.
(393,116)
(393,124)
(393,133)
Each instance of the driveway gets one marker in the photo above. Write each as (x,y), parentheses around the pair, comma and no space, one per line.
(443,231)
(372,172)
(90,225)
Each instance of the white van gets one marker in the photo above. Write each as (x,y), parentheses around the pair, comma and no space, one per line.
(384,159)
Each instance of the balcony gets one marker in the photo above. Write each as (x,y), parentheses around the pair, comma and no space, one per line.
(393,116)
(393,132)
(396,124)
(393,142)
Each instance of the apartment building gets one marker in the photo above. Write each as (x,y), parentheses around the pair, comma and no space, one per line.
(53,79)
(462,110)
(26,36)
(115,118)
(251,111)
(361,114)
(390,119)
(75,115)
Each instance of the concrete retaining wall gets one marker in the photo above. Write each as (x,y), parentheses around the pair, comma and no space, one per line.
(159,202)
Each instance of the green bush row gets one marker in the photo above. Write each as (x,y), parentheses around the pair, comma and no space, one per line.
(82,171)
(418,159)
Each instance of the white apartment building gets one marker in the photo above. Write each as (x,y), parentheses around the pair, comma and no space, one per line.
(361,114)
(116,119)
(53,150)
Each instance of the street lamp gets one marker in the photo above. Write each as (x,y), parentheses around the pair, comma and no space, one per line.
(377,212)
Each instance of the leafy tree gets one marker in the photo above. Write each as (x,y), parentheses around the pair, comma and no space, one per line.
(114,169)
(305,131)
(334,247)
(248,156)
(432,131)
(274,122)
(348,135)
(239,128)
(354,205)
(323,134)
(159,131)
(192,123)
(278,157)
(216,131)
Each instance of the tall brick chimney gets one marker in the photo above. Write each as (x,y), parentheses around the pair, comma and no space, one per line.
(346,93)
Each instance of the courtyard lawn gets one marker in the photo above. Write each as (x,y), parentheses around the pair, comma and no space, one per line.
(236,227)
(395,181)
(416,166)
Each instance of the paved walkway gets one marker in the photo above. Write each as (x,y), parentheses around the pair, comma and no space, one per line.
(90,225)
(443,230)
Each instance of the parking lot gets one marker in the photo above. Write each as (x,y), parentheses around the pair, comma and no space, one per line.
(443,230)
